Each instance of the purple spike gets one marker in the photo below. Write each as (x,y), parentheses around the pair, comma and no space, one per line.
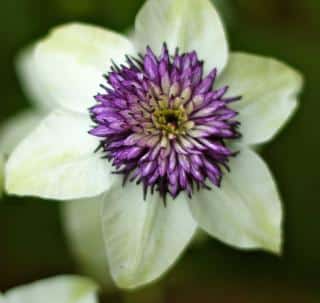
(163,125)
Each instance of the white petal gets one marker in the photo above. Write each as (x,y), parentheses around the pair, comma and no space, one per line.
(58,161)
(187,24)
(246,211)
(2,299)
(269,89)
(63,289)
(31,82)
(143,238)
(73,59)
(17,128)
(12,132)
(83,227)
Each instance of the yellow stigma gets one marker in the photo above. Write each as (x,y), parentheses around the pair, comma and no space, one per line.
(170,117)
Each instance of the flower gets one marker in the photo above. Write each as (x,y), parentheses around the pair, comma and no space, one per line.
(61,160)
(61,289)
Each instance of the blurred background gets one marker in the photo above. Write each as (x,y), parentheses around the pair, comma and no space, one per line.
(32,242)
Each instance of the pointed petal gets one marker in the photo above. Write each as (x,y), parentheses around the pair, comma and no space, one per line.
(16,128)
(83,228)
(57,161)
(72,59)
(62,289)
(143,238)
(246,211)
(187,24)
(30,81)
(269,89)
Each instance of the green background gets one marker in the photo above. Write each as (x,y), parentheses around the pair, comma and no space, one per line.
(32,244)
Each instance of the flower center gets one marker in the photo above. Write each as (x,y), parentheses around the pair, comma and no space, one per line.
(170,117)
(164,125)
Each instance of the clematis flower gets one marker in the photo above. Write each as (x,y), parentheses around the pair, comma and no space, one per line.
(61,289)
(167,145)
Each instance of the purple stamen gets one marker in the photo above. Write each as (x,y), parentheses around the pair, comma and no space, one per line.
(163,125)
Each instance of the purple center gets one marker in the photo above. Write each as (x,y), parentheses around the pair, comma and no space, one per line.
(163,125)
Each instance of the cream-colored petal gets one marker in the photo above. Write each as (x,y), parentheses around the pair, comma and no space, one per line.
(246,211)
(143,238)
(83,228)
(58,161)
(72,60)
(269,89)
(12,132)
(187,24)
(62,289)
(17,128)
(30,81)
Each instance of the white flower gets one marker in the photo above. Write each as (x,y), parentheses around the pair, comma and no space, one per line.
(61,289)
(144,238)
